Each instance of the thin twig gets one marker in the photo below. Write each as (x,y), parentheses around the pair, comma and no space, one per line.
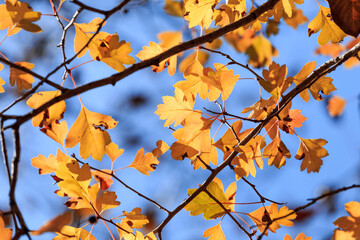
(235,116)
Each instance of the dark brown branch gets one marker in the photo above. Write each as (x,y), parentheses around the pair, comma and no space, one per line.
(228,213)
(124,184)
(312,202)
(235,116)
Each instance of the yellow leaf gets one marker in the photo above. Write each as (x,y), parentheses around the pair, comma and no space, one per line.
(55,112)
(5,233)
(203,204)
(56,131)
(74,233)
(135,219)
(302,75)
(144,163)
(300,236)
(261,52)
(55,224)
(296,19)
(50,164)
(196,56)
(261,108)
(82,36)
(348,226)
(16,15)
(310,152)
(113,151)
(175,109)
(215,233)
(200,12)
(89,129)
(174,8)
(264,216)
(329,29)
(23,80)
(162,147)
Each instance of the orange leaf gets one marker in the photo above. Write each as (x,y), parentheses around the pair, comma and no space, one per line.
(276,151)
(260,52)
(174,8)
(55,224)
(197,56)
(50,164)
(264,215)
(55,112)
(5,233)
(135,219)
(310,152)
(104,179)
(297,18)
(2,82)
(300,236)
(89,129)
(336,106)
(261,108)
(82,36)
(113,151)
(162,147)
(214,233)
(23,80)
(349,227)
(144,163)
(17,15)
(56,131)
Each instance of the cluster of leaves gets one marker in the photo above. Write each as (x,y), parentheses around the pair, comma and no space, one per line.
(86,188)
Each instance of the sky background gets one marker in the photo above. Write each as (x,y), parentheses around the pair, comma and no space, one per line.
(133,101)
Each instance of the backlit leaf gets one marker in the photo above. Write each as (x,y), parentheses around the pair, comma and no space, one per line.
(310,152)
(348,226)
(336,106)
(214,233)
(200,12)
(144,163)
(113,151)
(5,233)
(22,79)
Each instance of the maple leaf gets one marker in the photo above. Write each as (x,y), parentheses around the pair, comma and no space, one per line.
(336,106)
(214,233)
(2,82)
(204,204)
(16,15)
(276,151)
(323,84)
(175,109)
(162,147)
(296,19)
(227,142)
(348,227)
(310,152)
(89,129)
(144,163)
(153,50)
(260,52)
(200,12)
(56,131)
(74,233)
(221,79)
(55,224)
(22,79)
(5,233)
(113,151)
(50,164)
(329,29)
(55,112)
(275,80)
(265,215)
(300,236)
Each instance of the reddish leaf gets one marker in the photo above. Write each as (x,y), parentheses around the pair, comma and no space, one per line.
(346,14)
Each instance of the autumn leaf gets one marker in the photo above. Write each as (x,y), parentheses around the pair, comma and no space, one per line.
(261,108)
(221,79)
(153,50)
(265,215)
(329,29)
(89,130)
(204,204)
(78,233)
(55,224)
(162,147)
(175,109)
(50,164)
(200,12)
(144,163)
(276,151)
(241,40)
(336,106)
(196,56)
(330,49)
(261,52)
(276,81)
(300,236)
(297,18)
(5,233)
(2,82)
(310,152)
(22,79)
(113,151)
(230,12)
(214,233)
(104,178)
(56,131)
(16,15)
(174,8)
(348,226)
(47,117)
(346,15)
(134,219)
